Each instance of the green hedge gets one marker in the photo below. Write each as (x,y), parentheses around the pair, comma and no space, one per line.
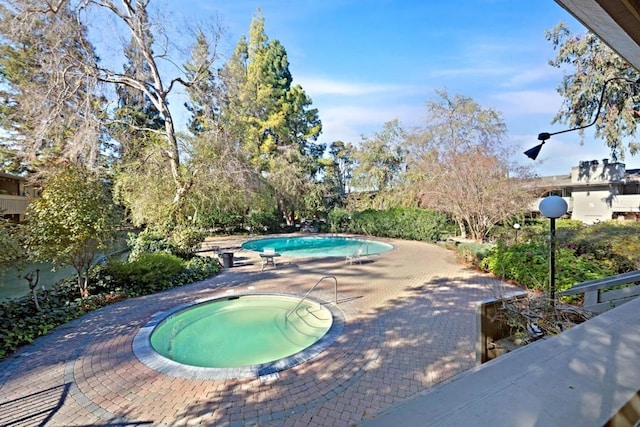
(401,223)
(148,273)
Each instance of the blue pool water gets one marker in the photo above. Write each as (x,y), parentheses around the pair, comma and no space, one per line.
(317,246)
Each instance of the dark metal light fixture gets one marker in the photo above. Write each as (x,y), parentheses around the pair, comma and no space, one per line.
(552,207)
(532,153)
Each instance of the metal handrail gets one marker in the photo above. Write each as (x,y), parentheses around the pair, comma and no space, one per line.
(310,290)
(599,295)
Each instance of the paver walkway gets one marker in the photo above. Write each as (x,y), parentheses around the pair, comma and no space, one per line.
(409,324)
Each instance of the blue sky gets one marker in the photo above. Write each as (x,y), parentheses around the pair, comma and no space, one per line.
(364,63)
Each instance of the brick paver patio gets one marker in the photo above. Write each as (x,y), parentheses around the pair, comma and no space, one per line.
(409,324)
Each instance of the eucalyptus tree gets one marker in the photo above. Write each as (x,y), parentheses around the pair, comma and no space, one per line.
(142,182)
(591,65)
(137,121)
(270,118)
(149,41)
(144,86)
(378,162)
(50,106)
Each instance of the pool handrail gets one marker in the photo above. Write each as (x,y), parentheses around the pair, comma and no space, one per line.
(310,290)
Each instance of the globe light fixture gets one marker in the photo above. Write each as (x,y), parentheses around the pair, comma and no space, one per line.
(516,227)
(552,207)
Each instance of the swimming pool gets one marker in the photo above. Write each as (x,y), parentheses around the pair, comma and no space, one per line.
(238,336)
(317,246)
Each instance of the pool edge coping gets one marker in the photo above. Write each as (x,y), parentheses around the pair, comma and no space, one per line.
(360,238)
(145,353)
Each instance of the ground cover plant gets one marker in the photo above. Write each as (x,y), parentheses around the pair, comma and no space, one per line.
(583,253)
(21,321)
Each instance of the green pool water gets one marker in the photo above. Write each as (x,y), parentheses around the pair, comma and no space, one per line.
(317,246)
(240,331)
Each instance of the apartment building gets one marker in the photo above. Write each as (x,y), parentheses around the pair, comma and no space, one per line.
(14,196)
(596,190)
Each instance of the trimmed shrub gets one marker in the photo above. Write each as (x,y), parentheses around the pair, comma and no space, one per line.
(148,241)
(183,242)
(148,273)
(260,221)
(338,220)
(186,240)
(528,265)
(401,223)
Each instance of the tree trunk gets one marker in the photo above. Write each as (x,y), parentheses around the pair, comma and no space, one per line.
(33,284)
(82,283)
(463,229)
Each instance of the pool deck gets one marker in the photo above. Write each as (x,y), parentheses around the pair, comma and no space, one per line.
(409,325)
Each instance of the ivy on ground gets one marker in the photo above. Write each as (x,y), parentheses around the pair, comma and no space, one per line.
(21,323)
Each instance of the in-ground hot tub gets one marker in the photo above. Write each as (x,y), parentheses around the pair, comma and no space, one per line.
(238,336)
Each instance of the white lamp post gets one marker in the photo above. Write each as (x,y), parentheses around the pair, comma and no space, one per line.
(552,207)
(516,227)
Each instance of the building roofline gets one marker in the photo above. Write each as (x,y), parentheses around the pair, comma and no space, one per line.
(8,175)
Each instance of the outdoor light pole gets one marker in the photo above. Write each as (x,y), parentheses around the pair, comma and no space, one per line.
(516,227)
(552,207)
(543,137)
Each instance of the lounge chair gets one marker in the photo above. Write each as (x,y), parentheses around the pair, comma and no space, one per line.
(268,256)
(354,257)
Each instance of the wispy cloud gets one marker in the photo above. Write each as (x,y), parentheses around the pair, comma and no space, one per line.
(319,86)
(523,102)
(473,71)
(533,75)
(350,122)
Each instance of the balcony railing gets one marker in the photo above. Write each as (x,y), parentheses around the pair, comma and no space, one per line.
(13,205)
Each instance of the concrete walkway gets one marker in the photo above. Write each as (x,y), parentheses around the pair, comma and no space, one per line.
(409,325)
(586,376)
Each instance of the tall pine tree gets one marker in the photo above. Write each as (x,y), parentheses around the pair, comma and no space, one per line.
(272,120)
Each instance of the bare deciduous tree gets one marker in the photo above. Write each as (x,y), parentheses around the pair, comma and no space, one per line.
(477,190)
(49,38)
(458,166)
